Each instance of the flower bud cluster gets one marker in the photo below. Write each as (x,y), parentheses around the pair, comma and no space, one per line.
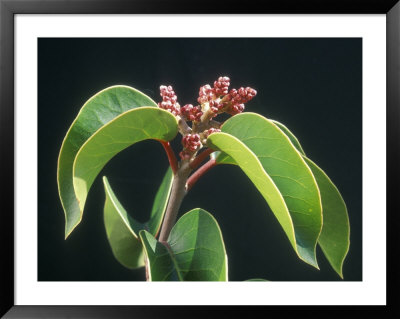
(191,113)
(221,85)
(218,99)
(206,94)
(169,101)
(191,143)
(237,98)
(213,101)
(234,109)
(242,95)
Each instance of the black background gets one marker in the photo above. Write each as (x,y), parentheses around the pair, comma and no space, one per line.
(314,86)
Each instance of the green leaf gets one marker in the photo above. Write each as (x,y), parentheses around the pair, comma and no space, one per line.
(334,239)
(96,112)
(129,128)
(335,235)
(279,172)
(223,158)
(196,250)
(123,230)
(198,247)
(161,265)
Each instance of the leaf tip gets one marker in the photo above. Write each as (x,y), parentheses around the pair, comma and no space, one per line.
(339,271)
(71,225)
(67,232)
(311,262)
(307,255)
(314,263)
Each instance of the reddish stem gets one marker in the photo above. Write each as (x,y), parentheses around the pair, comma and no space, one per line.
(200,158)
(171,156)
(200,172)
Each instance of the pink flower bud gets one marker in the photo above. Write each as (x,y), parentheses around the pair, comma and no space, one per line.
(235,109)
(206,94)
(167,91)
(191,142)
(221,86)
(215,106)
(242,95)
(191,113)
(169,100)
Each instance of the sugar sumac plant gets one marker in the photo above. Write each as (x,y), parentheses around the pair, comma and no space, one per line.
(304,200)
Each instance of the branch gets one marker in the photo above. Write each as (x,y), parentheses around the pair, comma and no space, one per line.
(178,192)
(200,172)
(184,128)
(171,156)
(200,158)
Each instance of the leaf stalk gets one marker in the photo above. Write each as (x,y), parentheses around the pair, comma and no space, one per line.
(173,162)
(200,172)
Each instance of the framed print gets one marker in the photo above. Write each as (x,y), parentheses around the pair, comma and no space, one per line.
(325,71)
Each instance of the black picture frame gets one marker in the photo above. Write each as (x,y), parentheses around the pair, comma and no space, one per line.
(8,10)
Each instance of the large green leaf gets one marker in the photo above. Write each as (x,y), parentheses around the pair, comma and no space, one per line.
(96,112)
(279,172)
(123,230)
(335,235)
(196,251)
(128,128)
(334,239)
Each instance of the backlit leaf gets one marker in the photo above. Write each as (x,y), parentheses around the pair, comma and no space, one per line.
(279,172)
(95,113)
(334,239)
